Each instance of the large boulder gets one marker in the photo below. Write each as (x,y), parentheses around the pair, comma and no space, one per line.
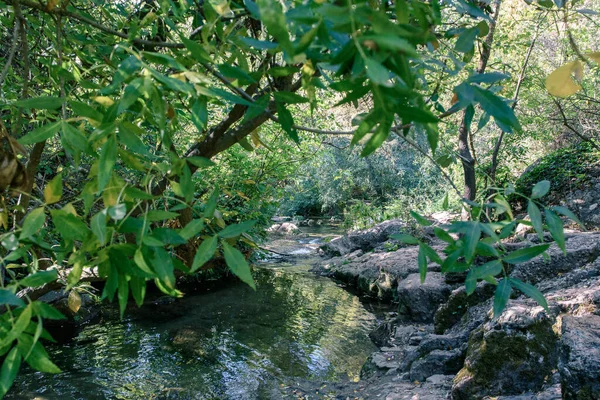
(419,301)
(364,240)
(580,357)
(510,355)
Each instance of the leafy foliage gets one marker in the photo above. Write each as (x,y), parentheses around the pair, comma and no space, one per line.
(478,248)
(123,109)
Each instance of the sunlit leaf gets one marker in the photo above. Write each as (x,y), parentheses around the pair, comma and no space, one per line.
(205,252)
(560,82)
(237,264)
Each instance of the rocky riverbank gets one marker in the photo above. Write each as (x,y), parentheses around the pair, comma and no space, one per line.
(445,344)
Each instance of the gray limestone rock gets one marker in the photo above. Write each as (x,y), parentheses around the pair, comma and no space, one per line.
(580,357)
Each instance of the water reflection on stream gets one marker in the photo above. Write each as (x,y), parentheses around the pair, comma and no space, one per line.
(232,343)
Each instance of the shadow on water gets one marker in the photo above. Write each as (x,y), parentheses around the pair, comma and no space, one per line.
(233,343)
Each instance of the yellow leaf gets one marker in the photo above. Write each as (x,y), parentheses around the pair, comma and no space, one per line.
(4,219)
(255,138)
(70,209)
(242,195)
(104,101)
(559,83)
(53,190)
(74,301)
(222,8)
(180,76)
(594,56)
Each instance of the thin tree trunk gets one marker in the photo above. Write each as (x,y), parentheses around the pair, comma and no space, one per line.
(464,150)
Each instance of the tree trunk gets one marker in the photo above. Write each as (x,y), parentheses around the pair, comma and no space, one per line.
(468,162)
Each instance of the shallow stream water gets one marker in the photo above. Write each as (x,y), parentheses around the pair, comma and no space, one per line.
(230,343)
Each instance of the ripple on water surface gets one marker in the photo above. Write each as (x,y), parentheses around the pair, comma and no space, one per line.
(232,343)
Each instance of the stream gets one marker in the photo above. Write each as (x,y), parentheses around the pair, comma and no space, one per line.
(228,343)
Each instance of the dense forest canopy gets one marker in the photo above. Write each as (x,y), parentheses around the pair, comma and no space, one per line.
(142,139)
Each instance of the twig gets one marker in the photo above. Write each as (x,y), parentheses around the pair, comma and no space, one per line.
(11,53)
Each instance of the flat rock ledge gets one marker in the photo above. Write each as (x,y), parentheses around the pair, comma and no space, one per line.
(443,344)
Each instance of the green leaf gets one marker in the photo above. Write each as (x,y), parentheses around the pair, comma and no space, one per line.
(287,122)
(196,50)
(199,114)
(39,278)
(129,135)
(471,239)
(449,264)
(162,59)
(486,250)
(501,200)
(443,235)
(211,204)
(405,238)
(122,294)
(272,16)
(466,41)
(567,213)
(366,125)
(83,110)
(193,228)
(392,42)
(377,72)
(9,371)
(160,215)
(33,223)
(106,164)
(40,134)
(238,264)
(235,230)
(420,219)
(540,189)
(162,264)
(118,211)
(233,72)
(167,236)
(289,97)
(497,108)
(422,262)
(491,268)
(43,102)
(200,162)
(46,311)
(525,254)
(140,261)
(138,289)
(431,253)
(379,136)
(98,225)
(205,252)
(69,226)
(489,77)
(130,96)
(536,219)
(38,358)
(259,44)
(136,193)
(74,137)
(555,226)
(531,291)
(501,296)
(9,298)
